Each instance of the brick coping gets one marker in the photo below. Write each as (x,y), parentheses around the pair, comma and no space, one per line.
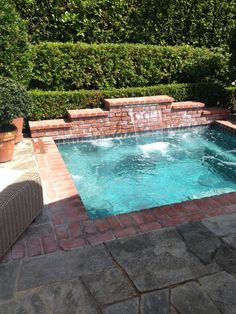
(84,113)
(72,226)
(147,100)
(187,105)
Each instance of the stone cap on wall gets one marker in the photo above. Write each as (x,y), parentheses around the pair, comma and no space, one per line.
(118,102)
(187,105)
(215,110)
(87,113)
(49,124)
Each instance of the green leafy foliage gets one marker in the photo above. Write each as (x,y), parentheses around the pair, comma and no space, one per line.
(233,58)
(15,52)
(230,97)
(69,66)
(53,104)
(167,22)
(14,101)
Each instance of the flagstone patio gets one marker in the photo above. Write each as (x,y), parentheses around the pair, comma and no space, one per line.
(186,269)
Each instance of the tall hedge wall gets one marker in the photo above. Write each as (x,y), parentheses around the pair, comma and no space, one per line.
(167,22)
(69,66)
(15,51)
(53,104)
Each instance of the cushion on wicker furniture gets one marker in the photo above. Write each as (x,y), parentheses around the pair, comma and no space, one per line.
(8,176)
(20,203)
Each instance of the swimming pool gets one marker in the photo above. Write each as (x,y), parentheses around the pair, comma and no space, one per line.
(121,175)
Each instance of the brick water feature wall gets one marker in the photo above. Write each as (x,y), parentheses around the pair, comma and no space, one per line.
(128,115)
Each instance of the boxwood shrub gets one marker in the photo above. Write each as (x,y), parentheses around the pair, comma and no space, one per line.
(14,101)
(69,66)
(53,104)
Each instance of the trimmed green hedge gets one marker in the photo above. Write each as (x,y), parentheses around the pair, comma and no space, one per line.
(69,66)
(167,22)
(47,105)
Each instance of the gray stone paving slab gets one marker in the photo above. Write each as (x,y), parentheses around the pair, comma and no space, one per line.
(35,231)
(8,273)
(200,240)
(157,259)
(226,258)
(221,225)
(61,266)
(42,218)
(67,297)
(125,307)
(221,288)
(172,310)
(189,298)
(155,302)
(109,286)
(230,240)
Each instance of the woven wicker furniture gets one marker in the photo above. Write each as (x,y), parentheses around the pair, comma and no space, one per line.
(20,203)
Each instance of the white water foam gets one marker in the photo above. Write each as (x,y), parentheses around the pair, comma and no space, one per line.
(76,177)
(105,143)
(213,192)
(157,146)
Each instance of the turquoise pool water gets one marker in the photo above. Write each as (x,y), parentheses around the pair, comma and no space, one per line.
(115,176)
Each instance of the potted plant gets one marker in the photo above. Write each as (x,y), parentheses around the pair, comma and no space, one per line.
(14,103)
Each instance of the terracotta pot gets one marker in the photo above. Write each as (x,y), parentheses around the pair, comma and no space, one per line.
(18,122)
(7,142)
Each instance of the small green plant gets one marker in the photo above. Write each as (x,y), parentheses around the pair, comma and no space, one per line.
(14,102)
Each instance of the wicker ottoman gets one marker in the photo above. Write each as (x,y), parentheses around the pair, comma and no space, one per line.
(20,203)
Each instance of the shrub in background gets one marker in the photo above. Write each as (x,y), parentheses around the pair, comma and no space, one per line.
(53,104)
(233,57)
(14,102)
(230,97)
(69,66)
(166,22)
(15,51)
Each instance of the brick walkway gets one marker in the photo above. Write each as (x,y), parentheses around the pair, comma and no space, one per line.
(64,223)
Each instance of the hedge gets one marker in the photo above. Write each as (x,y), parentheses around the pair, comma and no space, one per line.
(172,22)
(69,66)
(15,51)
(53,104)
